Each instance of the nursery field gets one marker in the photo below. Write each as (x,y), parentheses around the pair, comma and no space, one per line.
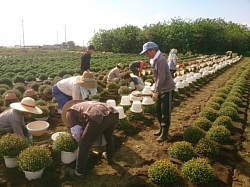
(136,148)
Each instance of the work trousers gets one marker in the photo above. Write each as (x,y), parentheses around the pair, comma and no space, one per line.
(61,97)
(164,108)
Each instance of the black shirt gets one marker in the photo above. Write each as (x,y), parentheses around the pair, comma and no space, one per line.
(85,61)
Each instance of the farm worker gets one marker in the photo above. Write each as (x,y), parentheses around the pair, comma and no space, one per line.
(134,82)
(85,59)
(74,88)
(164,86)
(172,60)
(12,119)
(114,74)
(137,66)
(88,120)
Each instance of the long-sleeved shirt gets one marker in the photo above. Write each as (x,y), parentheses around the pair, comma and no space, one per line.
(114,73)
(138,64)
(11,120)
(85,61)
(162,76)
(93,109)
(172,59)
(69,87)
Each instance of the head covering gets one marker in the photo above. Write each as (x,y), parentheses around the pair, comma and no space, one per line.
(87,80)
(27,105)
(91,47)
(120,65)
(147,46)
(10,96)
(67,106)
(29,93)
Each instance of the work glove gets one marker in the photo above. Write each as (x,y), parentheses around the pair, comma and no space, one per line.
(155,96)
(76,132)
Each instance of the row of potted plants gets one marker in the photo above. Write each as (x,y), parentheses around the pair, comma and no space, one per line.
(201,139)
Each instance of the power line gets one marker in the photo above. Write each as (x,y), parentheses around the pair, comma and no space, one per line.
(23,35)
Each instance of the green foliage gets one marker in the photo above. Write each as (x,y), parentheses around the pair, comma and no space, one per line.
(2,90)
(65,142)
(104,92)
(99,89)
(34,158)
(225,121)
(149,80)
(123,124)
(222,95)
(222,90)
(45,113)
(229,104)
(134,116)
(30,78)
(230,112)
(42,76)
(218,100)
(12,144)
(66,76)
(47,90)
(181,150)
(42,88)
(52,75)
(235,100)
(193,134)
(18,78)
(34,85)
(235,93)
(4,86)
(6,80)
(48,82)
(219,133)
(202,123)
(163,172)
(124,90)
(20,87)
(41,102)
(198,171)
(122,82)
(213,105)
(209,113)
(112,85)
(8,102)
(95,97)
(151,109)
(207,148)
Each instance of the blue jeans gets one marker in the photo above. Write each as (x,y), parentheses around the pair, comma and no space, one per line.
(61,97)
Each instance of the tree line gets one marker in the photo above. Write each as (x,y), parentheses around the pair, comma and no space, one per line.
(205,36)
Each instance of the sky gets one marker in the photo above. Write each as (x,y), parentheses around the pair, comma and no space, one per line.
(44,22)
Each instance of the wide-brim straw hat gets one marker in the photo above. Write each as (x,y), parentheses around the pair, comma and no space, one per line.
(27,105)
(67,106)
(87,80)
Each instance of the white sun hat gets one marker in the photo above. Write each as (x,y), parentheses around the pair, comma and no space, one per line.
(27,105)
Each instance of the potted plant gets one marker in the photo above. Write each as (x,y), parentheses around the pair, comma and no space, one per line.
(95,97)
(124,90)
(33,160)
(112,87)
(10,147)
(47,92)
(44,116)
(67,145)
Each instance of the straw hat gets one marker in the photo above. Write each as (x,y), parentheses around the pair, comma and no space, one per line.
(10,96)
(120,65)
(29,93)
(27,105)
(87,80)
(67,106)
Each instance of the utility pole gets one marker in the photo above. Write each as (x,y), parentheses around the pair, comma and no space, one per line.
(20,39)
(65,36)
(83,43)
(23,35)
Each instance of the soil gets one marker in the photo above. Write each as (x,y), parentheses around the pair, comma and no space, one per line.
(136,148)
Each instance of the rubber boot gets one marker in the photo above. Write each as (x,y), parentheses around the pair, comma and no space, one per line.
(158,133)
(164,134)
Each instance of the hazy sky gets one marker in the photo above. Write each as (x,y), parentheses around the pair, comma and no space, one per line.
(44,20)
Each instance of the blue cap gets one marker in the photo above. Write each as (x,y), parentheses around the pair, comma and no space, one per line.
(147,46)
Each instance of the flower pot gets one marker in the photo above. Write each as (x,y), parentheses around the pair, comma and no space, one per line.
(33,175)
(68,157)
(10,162)
(112,91)
(42,119)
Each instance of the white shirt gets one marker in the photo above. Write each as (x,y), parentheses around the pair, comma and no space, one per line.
(69,87)
(155,57)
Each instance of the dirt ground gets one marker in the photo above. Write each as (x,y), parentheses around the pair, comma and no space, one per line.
(136,148)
